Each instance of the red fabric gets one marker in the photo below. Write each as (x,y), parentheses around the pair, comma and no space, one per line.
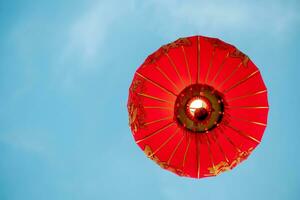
(168,71)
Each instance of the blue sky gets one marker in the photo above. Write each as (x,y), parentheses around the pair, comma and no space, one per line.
(65,69)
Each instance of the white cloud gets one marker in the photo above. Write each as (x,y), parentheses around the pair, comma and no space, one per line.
(87,34)
(212,17)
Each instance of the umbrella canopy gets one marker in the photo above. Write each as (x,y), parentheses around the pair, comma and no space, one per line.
(197,106)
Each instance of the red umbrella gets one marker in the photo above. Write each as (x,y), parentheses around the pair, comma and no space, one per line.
(197,106)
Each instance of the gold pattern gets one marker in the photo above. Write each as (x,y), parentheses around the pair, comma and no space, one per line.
(149,153)
(135,109)
(133,122)
(166,48)
(238,54)
(156,84)
(225,166)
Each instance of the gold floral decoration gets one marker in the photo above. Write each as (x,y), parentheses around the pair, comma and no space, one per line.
(238,54)
(225,166)
(135,108)
(166,48)
(149,153)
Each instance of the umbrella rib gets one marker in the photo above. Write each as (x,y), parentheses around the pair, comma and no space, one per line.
(230,75)
(241,81)
(155,132)
(246,120)
(243,133)
(156,84)
(210,153)
(159,107)
(198,156)
(186,150)
(210,64)
(187,64)
(164,143)
(175,150)
(153,97)
(219,69)
(231,142)
(247,107)
(220,147)
(247,95)
(167,77)
(175,68)
(198,58)
(158,120)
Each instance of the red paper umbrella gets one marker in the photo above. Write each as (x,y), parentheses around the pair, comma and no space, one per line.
(197,106)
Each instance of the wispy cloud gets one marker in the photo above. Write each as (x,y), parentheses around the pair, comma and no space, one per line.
(30,142)
(87,34)
(211,17)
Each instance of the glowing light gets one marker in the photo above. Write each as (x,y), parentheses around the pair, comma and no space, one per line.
(196,104)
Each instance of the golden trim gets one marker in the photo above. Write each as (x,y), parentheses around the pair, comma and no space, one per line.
(247,95)
(155,98)
(156,84)
(219,69)
(247,107)
(175,68)
(241,81)
(243,133)
(210,64)
(167,77)
(246,120)
(164,143)
(209,152)
(155,132)
(220,147)
(231,74)
(231,142)
(133,119)
(148,151)
(198,59)
(186,150)
(158,120)
(175,150)
(187,64)
(159,107)
(225,166)
(197,156)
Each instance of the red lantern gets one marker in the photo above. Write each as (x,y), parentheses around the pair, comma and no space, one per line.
(198,106)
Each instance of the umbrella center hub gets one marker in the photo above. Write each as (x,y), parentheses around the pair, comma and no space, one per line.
(199,108)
